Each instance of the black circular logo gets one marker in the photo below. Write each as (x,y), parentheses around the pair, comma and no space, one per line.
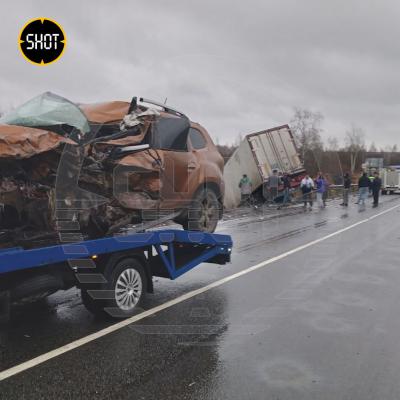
(42,41)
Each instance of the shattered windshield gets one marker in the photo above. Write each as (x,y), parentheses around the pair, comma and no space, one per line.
(49,111)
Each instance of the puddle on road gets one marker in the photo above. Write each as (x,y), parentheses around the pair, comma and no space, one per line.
(362,279)
(286,373)
(272,239)
(332,324)
(353,300)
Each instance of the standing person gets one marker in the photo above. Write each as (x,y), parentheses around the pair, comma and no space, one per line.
(287,185)
(286,181)
(326,193)
(376,188)
(306,186)
(246,189)
(363,188)
(273,185)
(371,180)
(346,189)
(322,187)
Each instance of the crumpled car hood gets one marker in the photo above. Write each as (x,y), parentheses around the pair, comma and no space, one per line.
(23,142)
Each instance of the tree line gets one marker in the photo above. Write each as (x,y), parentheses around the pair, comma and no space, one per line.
(330,156)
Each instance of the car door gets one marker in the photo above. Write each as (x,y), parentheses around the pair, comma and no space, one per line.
(180,166)
(179,175)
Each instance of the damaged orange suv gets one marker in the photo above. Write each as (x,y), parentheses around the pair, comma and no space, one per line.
(71,171)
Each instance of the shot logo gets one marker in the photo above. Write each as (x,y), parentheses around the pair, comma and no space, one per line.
(42,41)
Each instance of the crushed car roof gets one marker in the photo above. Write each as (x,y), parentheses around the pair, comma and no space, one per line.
(28,130)
(105,112)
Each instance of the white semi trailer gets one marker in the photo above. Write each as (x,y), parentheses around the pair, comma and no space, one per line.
(257,156)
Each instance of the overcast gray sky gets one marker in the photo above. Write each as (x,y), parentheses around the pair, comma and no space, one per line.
(235,67)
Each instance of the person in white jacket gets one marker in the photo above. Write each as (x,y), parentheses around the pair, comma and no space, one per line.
(307,186)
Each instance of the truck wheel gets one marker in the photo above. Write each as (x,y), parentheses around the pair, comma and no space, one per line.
(203,213)
(121,295)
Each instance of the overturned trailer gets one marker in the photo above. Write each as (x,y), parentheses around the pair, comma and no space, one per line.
(257,156)
(74,171)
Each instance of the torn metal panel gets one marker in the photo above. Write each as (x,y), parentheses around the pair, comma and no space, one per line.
(135,118)
(23,142)
(151,160)
(105,112)
(123,141)
(137,201)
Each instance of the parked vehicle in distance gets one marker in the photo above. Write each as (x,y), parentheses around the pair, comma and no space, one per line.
(257,156)
(73,171)
(390,179)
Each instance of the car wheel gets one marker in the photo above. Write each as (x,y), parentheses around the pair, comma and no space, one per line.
(203,213)
(121,296)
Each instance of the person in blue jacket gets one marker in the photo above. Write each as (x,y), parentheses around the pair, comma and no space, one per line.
(322,187)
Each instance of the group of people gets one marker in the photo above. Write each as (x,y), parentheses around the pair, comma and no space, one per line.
(320,185)
(309,186)
(368,184)
(270,188)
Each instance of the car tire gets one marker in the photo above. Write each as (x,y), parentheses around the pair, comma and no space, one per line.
(123,293)
(203,212)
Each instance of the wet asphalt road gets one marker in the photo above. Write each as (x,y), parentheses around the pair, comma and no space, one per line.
(322,323)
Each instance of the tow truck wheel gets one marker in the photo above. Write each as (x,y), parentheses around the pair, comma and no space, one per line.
(121,295)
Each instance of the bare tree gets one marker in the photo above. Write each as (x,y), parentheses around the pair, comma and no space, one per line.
(355,143)
(391,148)
(238,139)
(373,148)
(306,127)
(226,150)
(332,144)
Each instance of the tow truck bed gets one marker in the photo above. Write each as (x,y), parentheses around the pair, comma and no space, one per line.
(91,264)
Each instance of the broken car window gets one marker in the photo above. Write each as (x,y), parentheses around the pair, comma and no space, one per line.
(170,134)
(197,139)
(46,111)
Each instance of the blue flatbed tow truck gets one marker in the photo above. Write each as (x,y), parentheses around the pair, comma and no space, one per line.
(113,273)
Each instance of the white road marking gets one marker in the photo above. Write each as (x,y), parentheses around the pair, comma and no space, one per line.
(119,325)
